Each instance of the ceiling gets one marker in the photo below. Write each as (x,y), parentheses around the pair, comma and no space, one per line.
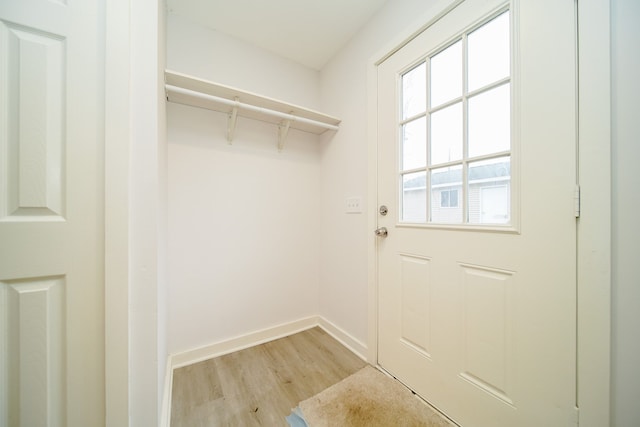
(309,32)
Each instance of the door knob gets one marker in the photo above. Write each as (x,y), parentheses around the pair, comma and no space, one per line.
(381,232)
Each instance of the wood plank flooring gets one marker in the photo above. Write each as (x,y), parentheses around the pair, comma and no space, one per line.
(259,386)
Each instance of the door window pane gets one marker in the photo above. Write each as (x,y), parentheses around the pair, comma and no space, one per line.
(446,75)
(455,131)
(490,121)
(414,197)
(414,91)
(446,134)
(489,191)
(446,183)
(488,53)
(414,144)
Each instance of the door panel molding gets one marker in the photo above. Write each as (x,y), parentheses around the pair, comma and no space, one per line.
(51,207)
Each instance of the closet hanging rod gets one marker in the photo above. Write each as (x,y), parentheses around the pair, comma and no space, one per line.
(242,105)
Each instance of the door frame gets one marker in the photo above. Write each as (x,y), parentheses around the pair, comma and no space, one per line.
(117,235)
(136,360)
(594,224)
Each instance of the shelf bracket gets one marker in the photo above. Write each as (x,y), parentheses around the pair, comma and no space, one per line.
(283,131)
(231,122)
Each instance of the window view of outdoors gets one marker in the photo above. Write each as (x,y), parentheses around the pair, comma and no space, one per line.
(456,131)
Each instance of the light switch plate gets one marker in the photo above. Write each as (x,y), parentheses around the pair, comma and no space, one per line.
(353,204)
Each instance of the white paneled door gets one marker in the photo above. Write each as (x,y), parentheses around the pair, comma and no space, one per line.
(477,167)
(51,209)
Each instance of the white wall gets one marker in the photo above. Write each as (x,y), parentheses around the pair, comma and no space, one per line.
(343,268)
(198,51)
(626,204)
(198,136)
(243,219)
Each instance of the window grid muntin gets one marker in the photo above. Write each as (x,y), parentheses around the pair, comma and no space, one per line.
(464,99)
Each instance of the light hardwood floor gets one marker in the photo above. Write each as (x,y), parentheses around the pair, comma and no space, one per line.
(260,385)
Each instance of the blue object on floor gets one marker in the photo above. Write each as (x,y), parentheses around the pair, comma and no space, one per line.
(296,419)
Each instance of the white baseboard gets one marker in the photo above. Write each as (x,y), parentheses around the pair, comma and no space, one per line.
(165,411)
(265,335)
(241,342)
(353,344)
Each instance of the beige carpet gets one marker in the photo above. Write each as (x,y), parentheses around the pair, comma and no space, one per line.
(369,398)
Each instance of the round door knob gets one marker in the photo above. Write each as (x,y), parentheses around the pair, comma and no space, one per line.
(381,232)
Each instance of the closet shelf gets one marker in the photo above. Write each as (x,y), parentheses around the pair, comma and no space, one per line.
(188,90)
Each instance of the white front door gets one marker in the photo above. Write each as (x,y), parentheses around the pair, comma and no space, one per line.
(477,166)
(51,213)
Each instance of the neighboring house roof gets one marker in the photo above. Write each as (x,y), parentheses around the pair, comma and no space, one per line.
(477,173)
